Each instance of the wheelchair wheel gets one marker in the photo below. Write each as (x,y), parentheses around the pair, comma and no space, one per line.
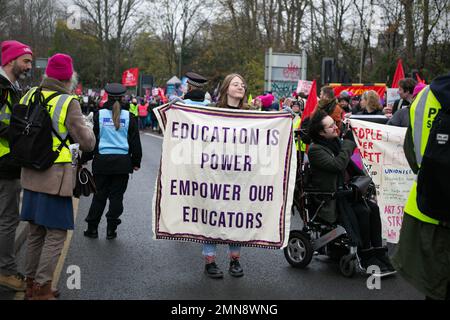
(299,251)
(347,265)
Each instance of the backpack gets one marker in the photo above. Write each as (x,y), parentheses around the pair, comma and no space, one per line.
(433,179)
(30,133)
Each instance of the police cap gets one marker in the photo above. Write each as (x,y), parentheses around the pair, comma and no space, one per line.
(115,89)
(195,79)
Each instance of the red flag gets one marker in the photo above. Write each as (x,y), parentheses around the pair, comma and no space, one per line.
(103,100)
(419,79)
(130,77)
(398,75)
(311,102)
(79,90)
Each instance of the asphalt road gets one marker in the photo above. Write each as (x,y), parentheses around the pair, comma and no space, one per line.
(134,266)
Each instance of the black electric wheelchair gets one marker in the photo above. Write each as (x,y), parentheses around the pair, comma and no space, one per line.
(316,237)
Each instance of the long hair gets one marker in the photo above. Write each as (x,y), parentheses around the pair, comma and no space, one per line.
(223,92)
(116,109)
(373,100)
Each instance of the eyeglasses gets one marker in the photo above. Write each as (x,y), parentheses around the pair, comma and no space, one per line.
(237,84)
(332,126)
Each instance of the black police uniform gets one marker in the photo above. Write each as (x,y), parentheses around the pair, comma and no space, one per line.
(111,171)
(197,82)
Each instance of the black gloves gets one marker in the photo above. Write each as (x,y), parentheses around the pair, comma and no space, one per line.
(348,134)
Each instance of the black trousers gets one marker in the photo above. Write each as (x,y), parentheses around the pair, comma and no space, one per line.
(369,224)
(110,187)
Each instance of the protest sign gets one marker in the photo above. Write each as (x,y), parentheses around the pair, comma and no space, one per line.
(304,86)
(381,149)
(392,95)
(226,176)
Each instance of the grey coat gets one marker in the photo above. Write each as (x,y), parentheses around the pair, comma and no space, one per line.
(400,118)
(327,172)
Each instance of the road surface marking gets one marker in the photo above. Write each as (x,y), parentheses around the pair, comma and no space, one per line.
(154,136)
(63,256)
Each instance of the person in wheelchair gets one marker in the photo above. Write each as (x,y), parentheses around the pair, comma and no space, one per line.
(331,166)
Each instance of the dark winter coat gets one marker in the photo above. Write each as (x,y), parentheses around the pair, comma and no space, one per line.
(328,173)
(8,169)
(116,163)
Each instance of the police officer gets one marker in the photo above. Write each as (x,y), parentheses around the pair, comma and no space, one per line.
(423,252)
(196,92)
(117,153)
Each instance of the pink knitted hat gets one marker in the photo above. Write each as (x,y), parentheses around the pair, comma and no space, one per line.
(60,67)
(418,88)
(12,49)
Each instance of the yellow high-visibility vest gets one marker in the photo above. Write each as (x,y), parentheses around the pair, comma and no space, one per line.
(58,112)
(296,126)
(422,113)
(5,116)
(134,109)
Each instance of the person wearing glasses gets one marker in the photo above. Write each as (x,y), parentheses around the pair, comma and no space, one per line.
(232,96)
(329,158)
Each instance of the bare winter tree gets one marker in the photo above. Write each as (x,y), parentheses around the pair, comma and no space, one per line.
(115,22)
(431,15)
(180,22)
(4,15)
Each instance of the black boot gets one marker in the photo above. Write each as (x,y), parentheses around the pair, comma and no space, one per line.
(111,232)
(381,254)
(213,271)
(367,258)
(91,231)
(235,268)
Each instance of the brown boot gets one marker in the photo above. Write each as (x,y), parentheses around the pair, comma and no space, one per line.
(43,292)
(15,282)
(29,289)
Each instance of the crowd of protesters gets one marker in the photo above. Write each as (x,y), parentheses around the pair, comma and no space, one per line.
(108,132)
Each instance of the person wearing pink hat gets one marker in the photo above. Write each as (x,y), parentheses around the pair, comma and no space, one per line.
(419,87)
(16,60)
(47,197)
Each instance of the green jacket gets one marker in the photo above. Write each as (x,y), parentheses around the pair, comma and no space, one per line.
(328,172)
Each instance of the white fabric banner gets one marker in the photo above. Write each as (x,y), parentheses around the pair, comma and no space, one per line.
(381,149)
(226,176)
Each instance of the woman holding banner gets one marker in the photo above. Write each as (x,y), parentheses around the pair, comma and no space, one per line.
(232,96)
